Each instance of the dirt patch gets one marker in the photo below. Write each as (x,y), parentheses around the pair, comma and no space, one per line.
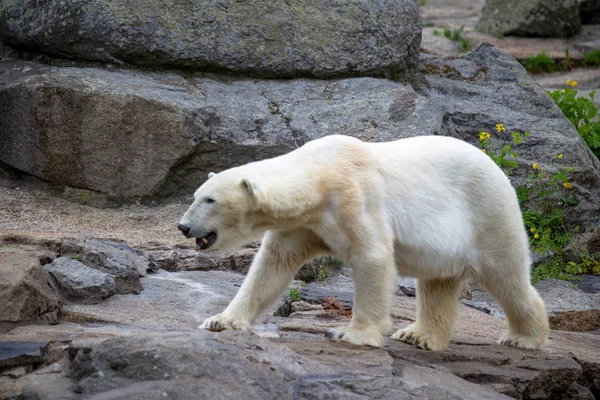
(332,304)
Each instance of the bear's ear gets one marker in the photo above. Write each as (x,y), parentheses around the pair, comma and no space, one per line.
(211,174)
(251,188)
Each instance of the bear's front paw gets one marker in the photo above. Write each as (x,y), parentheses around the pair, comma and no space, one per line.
(420,338)
(367,337)
(523,342)
(221,322)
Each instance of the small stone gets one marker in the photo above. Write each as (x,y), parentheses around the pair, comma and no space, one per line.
(16,372)
(17,353)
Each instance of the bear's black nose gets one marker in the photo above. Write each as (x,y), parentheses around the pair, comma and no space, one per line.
(184,229)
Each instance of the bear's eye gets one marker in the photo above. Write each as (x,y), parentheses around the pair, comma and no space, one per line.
(209,200)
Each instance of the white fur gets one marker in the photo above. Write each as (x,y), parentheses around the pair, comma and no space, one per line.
(434,208)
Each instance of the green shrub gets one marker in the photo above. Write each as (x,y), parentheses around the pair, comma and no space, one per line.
(322,273)
(540,63)
(581,112)
(544,200)
(550,195)
(592,58)
(294,294)
(551,269)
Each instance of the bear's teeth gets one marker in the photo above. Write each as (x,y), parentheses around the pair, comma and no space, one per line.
(204,240)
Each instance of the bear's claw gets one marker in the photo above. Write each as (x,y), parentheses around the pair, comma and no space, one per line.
(418,338)
(523,342)
(367,337)
(220,322)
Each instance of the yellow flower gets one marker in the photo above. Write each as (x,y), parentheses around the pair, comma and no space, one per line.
(536,236)
(484,136)
(499,127)
(484,150)
(559,156)
(568,185)
(569,81)
(532,230)
(563,90)
(573,83)
(534,166)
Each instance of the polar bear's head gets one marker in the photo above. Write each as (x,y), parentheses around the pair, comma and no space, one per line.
(223,212)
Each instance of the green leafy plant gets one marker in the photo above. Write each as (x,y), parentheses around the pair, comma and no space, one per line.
(551,269)
(507,159)
(332,262)
(567,64)
(294,294)
(545,217)
(326,263)
(582,112)
(592,58)
(544,199)
(541,62)
(588,265)
(322,273)
(456,36)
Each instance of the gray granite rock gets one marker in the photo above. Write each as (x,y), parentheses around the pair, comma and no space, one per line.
(14,354)
(79,282)
(27,292)
(546,18)
(569,308)
(148,345)
(215,122)
(261,38)
(125,264)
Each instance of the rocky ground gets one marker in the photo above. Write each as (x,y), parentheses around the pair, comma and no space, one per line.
(454,14)
(73,337)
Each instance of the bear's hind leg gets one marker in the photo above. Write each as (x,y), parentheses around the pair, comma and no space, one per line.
(528,325)
(437,308)
(374,283)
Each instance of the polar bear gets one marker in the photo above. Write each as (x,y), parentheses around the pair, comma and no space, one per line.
(430,207)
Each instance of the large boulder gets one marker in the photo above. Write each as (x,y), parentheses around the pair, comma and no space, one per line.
(545,18)
(262,37)
(100,130)
(27,292)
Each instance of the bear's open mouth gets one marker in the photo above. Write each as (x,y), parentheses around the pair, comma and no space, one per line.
(205,242)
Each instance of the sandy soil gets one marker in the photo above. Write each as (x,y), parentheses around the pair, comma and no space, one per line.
(33,209)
